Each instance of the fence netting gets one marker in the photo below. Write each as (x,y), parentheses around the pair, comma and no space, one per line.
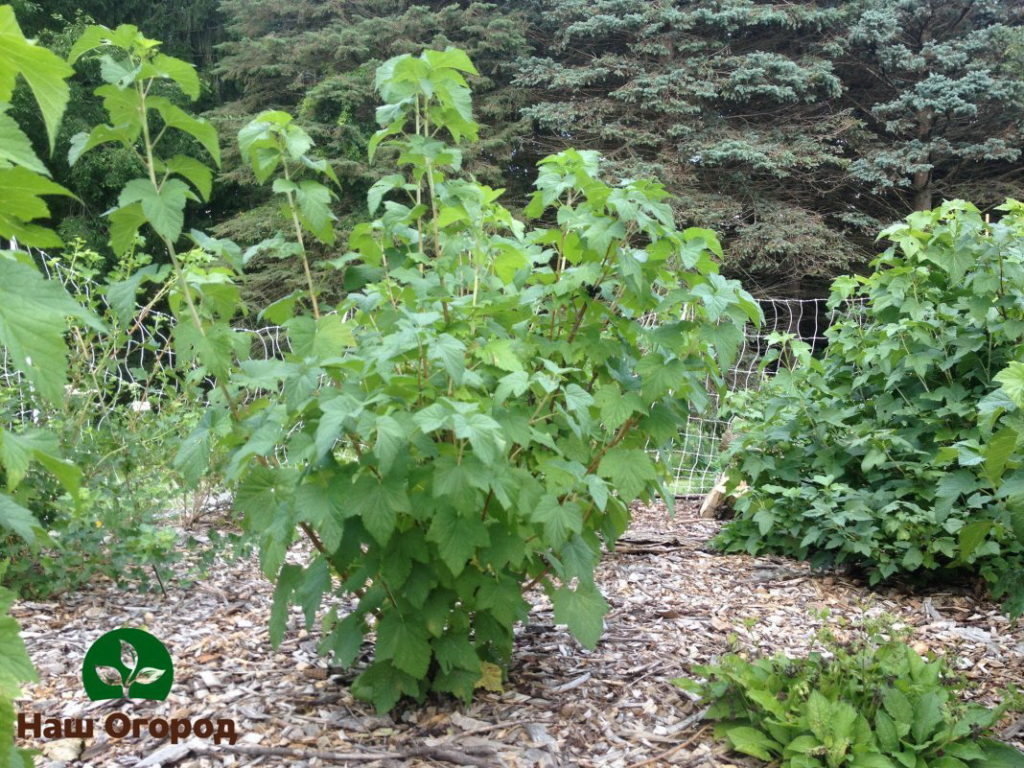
(140,373)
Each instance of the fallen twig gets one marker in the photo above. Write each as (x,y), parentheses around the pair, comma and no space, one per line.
(444,754)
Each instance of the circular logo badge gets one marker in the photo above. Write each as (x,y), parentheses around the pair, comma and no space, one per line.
(127,664)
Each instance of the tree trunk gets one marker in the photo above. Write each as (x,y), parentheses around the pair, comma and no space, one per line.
(923,191)
(923,179)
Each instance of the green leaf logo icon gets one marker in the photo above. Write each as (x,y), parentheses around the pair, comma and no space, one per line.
(127,664)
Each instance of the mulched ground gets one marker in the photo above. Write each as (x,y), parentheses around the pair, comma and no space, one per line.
(674,604)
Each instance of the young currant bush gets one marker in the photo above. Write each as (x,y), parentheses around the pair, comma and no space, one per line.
(900,452)
(475,417)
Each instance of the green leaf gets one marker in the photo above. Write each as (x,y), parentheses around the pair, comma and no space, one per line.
(1000,755)
(15,146)
(181,72)
(483,433)
(346,639)
(1012,380)
(15,517)
(314,202)
(392,440)
(288,579)
(753,742)
(378,502)
(164,208)
(404,641)
(380,188)
(43,70)
(15,664)
(997,452)
(457,538)
(927,716)
(211,346)
(383,684)
(560,519)
(629,470)
(615,406)
(198,128)
(193,170)
(577,398)
(455,651)
(124,227)
(33,318)
(971,536)
(897,705)
(21,192)
(583,610)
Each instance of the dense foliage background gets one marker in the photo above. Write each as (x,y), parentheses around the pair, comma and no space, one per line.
(796,131)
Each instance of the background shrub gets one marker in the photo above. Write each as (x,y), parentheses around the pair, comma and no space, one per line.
(882,454)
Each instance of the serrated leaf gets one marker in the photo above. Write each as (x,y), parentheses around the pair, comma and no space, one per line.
(346,639)
(43,70)
(615,406)
(457,538)
(380,188)
(490,677)
(289,577)
(483,433)
(193,170)
(15,665)
(582,610)
(164,208)
(15,517)
(997,453)
(403,641)
(33,318)
(198,128)
(124,227)
(378,504)
(383,685)
(455,651)
(560,519)
(22,191)
(15,146)
(629,470)
(181,72)
(1012,380)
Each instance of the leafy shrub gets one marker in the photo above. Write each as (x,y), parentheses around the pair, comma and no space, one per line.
(872,703)
(472,419)
(882,454)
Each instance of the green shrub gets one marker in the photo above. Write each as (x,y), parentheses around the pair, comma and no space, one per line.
(882,454)
(472,419)
(872,703)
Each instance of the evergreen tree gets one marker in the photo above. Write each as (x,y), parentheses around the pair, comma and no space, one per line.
(938,87)
(796,129)
(733,104)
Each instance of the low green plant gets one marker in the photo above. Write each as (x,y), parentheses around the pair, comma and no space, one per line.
(869,703)
(894,452)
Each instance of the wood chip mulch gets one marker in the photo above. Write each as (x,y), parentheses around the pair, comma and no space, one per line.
(675,603)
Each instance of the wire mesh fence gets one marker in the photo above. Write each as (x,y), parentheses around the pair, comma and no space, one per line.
(139,374)
(696,455)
